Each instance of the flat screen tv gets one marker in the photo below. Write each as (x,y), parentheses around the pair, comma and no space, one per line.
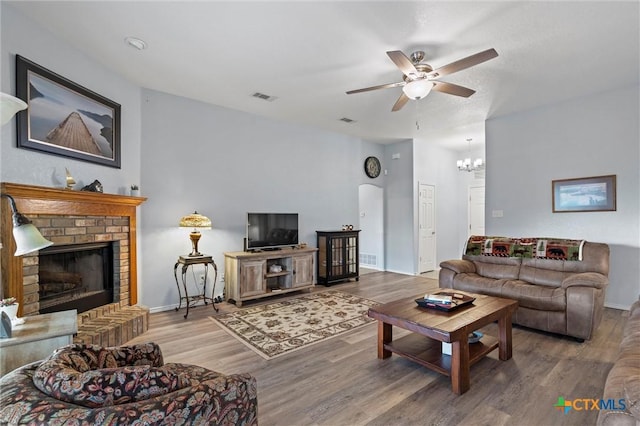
(267,231)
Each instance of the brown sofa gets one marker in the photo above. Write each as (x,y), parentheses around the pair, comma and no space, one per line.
(91,385)
(622,388)
(554,295)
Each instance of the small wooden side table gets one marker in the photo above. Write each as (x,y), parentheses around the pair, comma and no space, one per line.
(191,301)
(37,338)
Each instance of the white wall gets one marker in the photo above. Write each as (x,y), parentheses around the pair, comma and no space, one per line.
(22,36)
(436,165)
(371,225)
(399,209)
(224,163)
(590,136)
(423,160)
(465,180)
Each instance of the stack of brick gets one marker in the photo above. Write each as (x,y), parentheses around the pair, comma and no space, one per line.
(112,325)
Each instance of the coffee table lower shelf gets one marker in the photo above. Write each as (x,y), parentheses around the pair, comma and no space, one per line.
(428,352)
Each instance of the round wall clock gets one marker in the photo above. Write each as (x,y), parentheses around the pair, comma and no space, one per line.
(372,167)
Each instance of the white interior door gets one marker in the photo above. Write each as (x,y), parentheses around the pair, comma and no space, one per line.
(476,210)
(427,228)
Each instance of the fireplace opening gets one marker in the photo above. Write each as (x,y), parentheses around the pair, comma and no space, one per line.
(76,276)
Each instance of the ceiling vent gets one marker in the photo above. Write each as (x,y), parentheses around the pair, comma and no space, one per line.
(347,120)
(264,97)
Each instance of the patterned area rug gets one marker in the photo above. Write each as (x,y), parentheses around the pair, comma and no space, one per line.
(283,327)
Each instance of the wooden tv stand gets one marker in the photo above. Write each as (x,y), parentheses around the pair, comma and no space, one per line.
(250,275)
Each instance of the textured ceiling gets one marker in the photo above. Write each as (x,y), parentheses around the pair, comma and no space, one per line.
(307,54)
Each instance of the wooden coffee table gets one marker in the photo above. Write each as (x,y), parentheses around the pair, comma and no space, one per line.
(452,327)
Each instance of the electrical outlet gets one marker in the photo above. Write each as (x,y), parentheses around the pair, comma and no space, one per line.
(201,279)
(222,277)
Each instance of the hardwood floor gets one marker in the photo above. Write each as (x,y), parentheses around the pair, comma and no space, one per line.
(341,381)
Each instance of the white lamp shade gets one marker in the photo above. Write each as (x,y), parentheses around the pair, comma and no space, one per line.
(28,239)
(9,106)
(417,89)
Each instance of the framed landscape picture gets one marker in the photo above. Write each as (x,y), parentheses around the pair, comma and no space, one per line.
(64,118)
(589,194)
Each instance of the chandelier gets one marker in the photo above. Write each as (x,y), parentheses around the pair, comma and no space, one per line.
(466,165)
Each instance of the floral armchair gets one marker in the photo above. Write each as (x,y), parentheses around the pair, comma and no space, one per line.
(88,385)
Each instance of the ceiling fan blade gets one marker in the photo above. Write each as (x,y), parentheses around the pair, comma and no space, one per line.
(452,89)
(382,86)
(464,63)
(402,62)
(402,100)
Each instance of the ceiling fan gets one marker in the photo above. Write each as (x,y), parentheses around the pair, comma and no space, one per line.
(419,79)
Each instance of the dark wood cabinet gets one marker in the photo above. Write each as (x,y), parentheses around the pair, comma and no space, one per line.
(338,255)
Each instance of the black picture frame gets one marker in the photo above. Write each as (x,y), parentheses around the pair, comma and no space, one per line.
(64,118)
(589,194)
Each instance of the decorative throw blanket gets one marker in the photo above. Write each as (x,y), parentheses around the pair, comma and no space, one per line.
(540,248)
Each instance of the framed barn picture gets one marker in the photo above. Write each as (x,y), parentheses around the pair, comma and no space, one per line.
(64,118)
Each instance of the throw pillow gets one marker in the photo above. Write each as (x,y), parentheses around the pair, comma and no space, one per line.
(89,377)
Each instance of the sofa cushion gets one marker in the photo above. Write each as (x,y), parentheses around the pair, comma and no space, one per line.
(475,283)
(535,296)
(90,377)
(543,271)
(459,266)
(507,268)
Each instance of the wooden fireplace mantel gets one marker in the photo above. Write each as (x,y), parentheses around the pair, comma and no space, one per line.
(53,201)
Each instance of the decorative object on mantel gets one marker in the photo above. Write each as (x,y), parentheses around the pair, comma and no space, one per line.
(94,186)
(87,125)
(10,106)
(135,190)
(70,180)
(466,165)
(195,221)
(347,227)
(26,235)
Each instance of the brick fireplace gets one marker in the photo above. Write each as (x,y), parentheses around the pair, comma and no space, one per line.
(69,218)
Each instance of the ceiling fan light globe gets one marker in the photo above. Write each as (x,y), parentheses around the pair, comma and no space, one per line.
(417,89)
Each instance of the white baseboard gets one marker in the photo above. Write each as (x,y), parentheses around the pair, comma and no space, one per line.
(162,308)
(373,268)
(616,306)
(399,272)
